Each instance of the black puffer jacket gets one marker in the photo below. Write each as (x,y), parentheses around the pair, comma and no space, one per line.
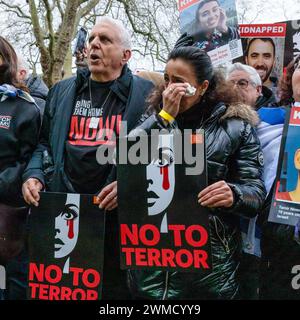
(234,155)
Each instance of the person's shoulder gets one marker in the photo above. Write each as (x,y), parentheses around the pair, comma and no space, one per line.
(239,121)
(142,81)
(240,113)
(27,104)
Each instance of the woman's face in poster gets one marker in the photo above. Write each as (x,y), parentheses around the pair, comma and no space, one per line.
(67,227)
(209,16)
(296,44)
(160,175)
(296,82)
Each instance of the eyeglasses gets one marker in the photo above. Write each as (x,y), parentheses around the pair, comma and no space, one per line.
(242,83)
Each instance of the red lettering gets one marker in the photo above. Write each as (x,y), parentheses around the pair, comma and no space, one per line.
(33,291)
(128,252)
(132,235)
(110,123)
(57,274)
(78,294)
(118,127)
(141,257)
(202,233)
(43,292)
(153,257)
(95,278)
(155,235)
(65,293)
(36,271)
(180,261)
(76,132)
(76,272)
(91,295)
(177,228)
(54,292)
(87,135)
(168,256)
(200,259)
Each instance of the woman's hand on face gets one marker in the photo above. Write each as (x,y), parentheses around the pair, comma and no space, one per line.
(216,195)
(222,26)
(172,96)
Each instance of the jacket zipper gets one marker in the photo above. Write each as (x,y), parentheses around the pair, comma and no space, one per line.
(164,297)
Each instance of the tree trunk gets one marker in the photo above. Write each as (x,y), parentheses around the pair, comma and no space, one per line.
(67,68)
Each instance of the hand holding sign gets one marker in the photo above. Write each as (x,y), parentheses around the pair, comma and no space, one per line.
(216,195)
(30,190)
(108,197)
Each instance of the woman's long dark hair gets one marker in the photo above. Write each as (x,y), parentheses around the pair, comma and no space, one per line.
(285,88)
(218,90)
(9,66)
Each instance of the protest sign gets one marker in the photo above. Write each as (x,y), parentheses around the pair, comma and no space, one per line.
(162,226)
(285,207)
(66,248)
(214,26)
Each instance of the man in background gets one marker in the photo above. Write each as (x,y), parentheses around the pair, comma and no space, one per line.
(260,54)
(37,87)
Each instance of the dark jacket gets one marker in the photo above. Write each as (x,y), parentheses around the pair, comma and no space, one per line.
(56,121)
(19,131)
(266,99)
(234,155)
(38,90)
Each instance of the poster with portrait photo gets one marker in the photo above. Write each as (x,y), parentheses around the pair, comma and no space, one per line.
(285,206)
(162,226)
(292,41)
(264,50)
(66,243)
(214,26)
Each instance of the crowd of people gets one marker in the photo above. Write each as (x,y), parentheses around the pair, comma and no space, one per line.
(251,257)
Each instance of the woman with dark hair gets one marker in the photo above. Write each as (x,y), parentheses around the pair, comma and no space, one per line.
(234,171)
(19,131)
(280,244)
(210,28)
(289,88)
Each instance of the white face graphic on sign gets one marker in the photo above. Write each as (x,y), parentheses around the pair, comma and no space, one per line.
(67,227)
(160,175)
(296,44)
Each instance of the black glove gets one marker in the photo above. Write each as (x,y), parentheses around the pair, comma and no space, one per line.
(184,40)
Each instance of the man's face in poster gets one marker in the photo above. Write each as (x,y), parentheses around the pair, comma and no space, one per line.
(261,56)
(160,175)
(67,227)
(296,44)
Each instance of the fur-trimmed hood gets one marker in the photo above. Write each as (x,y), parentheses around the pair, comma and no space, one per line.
(243,111)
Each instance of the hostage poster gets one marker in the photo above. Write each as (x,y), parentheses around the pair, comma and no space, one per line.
(285,206)
(292,41)
(66,248)
(214,26)
(264,50)
(162,226)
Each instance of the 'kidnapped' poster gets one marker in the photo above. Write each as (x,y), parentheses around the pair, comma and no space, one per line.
(162,226)
(66,248)
(214,26)
(285,207)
